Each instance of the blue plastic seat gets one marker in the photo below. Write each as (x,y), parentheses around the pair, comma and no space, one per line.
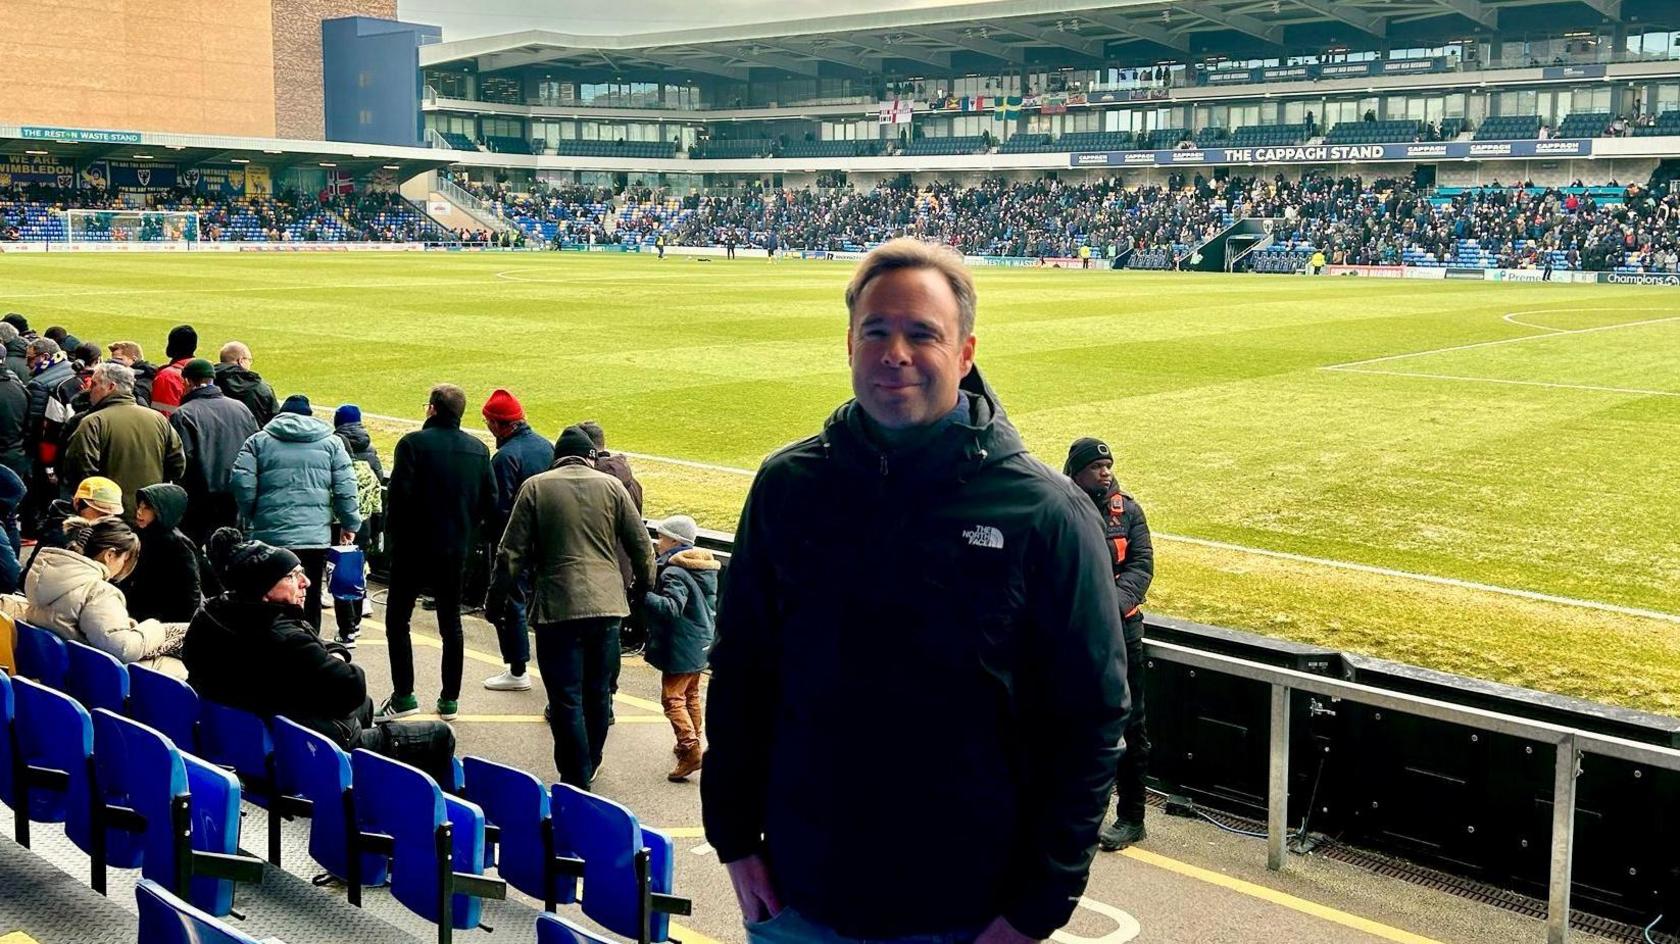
(517,805)
(239,741)
(436,842)
(164,703)
(96,678)
(165,919)
(53,736)
(8,714)
(628,870)
(310,767)
(41,655)
(553,929)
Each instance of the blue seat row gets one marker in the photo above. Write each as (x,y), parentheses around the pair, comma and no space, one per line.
(541,840)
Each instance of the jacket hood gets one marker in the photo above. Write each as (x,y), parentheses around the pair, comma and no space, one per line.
(956,451)
(207,392)
(60,572)
(355,436)
(169,501)
(696,559)
(236,379)
(295,427)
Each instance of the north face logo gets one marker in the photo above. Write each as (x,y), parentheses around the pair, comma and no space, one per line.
(984,535)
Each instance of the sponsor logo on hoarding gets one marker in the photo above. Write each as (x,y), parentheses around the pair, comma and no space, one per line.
(1426,150)
(1557,147)
(1087,159)
(1479,150)
(1140,157)
(1466,274)
(1631,278)
(80,134)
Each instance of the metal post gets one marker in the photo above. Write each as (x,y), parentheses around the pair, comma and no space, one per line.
(1277,788)
(1563,839)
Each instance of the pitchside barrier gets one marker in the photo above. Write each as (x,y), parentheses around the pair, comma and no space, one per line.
(1570,802)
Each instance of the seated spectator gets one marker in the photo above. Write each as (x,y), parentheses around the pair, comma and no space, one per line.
(71,591)
(251,648)
(680,612)
(96,497)
(11,495)
(165,583)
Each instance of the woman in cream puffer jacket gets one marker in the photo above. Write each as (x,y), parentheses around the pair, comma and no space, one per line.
(72,592)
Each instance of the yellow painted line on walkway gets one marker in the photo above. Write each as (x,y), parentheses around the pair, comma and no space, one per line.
(683,934)
(1283,899)
(684,832)
(537,719)
(421,639)
(18,937)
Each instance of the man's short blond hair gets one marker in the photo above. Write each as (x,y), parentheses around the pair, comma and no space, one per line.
(128,349)
(907,253)
(233,352)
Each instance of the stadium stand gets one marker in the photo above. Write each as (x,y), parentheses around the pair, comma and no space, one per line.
(459,141)
(834,148)
(1373,132)
(1584,125)
(505,145)
(1509,128)
(1667,123)
(724,148)
(1267,135)
(1095,141)
(1451,128)
(636,149)
(961,144)
(1029,144)
(1162,138)
(1210,136)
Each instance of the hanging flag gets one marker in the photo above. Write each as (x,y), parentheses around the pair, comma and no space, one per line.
(1008,109)
(895,112)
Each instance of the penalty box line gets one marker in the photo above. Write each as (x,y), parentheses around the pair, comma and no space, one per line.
(1517,592)
(1546,333)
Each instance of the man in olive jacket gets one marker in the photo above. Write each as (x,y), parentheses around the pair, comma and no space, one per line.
(122,440)
(441,495)
(913,594)
(566,528)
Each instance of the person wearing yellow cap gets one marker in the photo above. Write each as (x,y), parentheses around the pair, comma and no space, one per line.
(95,498)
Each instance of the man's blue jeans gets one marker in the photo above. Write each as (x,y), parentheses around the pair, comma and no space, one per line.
(791,927)
(575,658)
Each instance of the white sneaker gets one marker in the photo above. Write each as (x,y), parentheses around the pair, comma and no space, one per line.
(508,682)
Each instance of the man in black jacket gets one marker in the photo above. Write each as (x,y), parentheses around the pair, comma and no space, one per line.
(441,493)
(912,591)
(17,339)
(212,427)
(236,378)
(1090,463)
(14,419)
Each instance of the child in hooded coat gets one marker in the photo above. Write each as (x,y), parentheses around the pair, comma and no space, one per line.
(165,584)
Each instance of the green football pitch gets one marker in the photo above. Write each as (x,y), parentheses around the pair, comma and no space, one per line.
(1473,477)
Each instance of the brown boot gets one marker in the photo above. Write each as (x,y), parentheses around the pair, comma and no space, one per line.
(688,761)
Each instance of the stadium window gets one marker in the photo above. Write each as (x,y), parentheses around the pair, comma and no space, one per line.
(364,117)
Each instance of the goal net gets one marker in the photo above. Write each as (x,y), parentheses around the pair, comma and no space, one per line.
(135,226)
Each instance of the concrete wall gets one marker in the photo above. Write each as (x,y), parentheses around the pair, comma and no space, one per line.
(190,66)
(297,63)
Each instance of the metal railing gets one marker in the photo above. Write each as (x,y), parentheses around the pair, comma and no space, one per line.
(484,212)
(1569,743)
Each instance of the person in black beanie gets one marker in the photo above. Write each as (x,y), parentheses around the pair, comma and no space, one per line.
(169,386)
(252,649)
(1090,463)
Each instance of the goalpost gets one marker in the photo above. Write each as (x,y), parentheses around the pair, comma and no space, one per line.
(130,226)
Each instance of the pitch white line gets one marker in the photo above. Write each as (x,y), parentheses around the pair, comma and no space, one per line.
(1517,592)
(1512,319)
(7,297)
(1635,391)
(1552,333)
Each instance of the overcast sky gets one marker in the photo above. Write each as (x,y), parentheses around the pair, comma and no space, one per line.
(463,19)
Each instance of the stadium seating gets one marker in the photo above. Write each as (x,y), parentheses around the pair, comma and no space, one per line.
(1584,125)
(832,149)
(1027,144)
(1094,141)
(1373,132)
(1159,258)
(1509,128)
(634,149)
(1451,128)
(240,742)
(165,703)
(517,806)
(41,655)
(53,742)
(1280,259)
(435,841)
(458,141)
(725,148)
(166,919)
(1267,136)
(1163,138)
(507,145)
(169,814)
(95,678)
(962,144)
(1210,136)
(312,776)
(1668,123)
(628,869)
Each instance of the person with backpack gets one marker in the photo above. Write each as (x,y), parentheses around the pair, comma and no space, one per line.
(170,385)
(349,591)
(681,610)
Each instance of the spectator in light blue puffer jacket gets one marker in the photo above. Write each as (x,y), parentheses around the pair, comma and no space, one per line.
(293,482)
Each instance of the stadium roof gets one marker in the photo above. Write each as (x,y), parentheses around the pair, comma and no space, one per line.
(191,150)
(1005,34)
